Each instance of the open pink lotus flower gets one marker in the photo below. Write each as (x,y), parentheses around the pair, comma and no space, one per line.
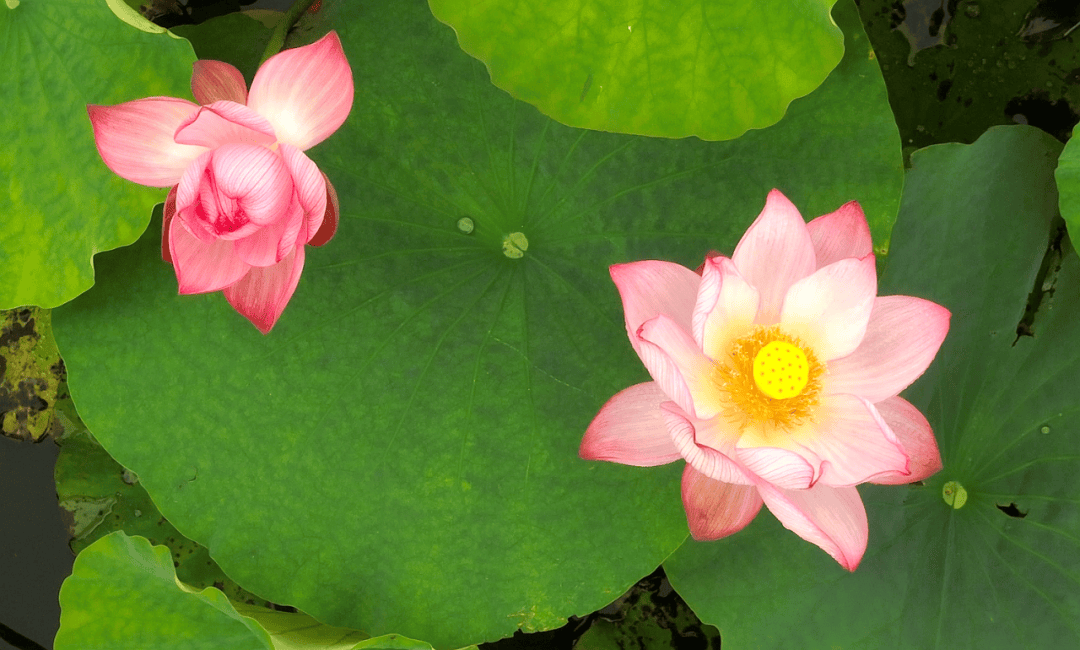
(776,374)
(244,199)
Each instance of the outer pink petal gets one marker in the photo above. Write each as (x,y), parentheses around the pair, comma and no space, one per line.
(201,267)
(257,178)
(715,509)
(705,449)
(780,467)
(679,367)
(168,212)
(310,187)
(915,435)
(222,122)
(630,430)
(841,234)
(774,253)
(833,305)
(832,518)
(262,295)
(650,288)
(187,197)
(135,139)
(330,219)
(735,309)
(902,338)
(854,443)
(213,81)
(306,92)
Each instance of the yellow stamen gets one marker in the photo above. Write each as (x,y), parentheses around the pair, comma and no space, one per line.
(744,374)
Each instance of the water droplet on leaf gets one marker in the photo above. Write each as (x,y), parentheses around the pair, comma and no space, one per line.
(514,245)
(466,225)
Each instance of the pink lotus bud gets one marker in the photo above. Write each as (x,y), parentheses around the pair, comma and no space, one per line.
(245,199)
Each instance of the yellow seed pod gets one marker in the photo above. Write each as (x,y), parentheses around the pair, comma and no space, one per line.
(781,370)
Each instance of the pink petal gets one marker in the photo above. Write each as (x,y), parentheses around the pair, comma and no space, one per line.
(188,192)
(780,467)
(854,443)
(135,139)
(774,253)
(306,92)
(651,288)
(832,306)
(222,122)
(733,312)
(201,267)
(914,434)
(257,178)
(841,234)
(213,81)
(330,220)
(168,211)
(715,509)
(712,280)
(272,243)
(208,213)
(263,293)
(703,446)
(832,518)
(630,430)
(310,187)
(679,367)
(902,338)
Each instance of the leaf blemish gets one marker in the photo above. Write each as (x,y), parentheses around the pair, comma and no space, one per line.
(585,88)
(1012,510)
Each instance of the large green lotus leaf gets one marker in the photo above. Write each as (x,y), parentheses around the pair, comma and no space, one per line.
(123,593)
(400,453)
(672,68)
(61,204)
(985,554)
(1068,183)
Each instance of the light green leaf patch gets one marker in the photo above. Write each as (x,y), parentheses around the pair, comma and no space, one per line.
(61,204)
(985,553)
(1067,175)
(123,593)
(400,453)
(671,69)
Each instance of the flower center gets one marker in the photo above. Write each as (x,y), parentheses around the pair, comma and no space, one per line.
(769,379)
(781,370)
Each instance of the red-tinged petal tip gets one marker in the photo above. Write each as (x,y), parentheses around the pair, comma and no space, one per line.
(841,234)
(167,213)
(329,224)
(135,139)
(305,92)
(213,81)
(261,296)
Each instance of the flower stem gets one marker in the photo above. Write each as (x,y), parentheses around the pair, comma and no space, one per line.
(277,39)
